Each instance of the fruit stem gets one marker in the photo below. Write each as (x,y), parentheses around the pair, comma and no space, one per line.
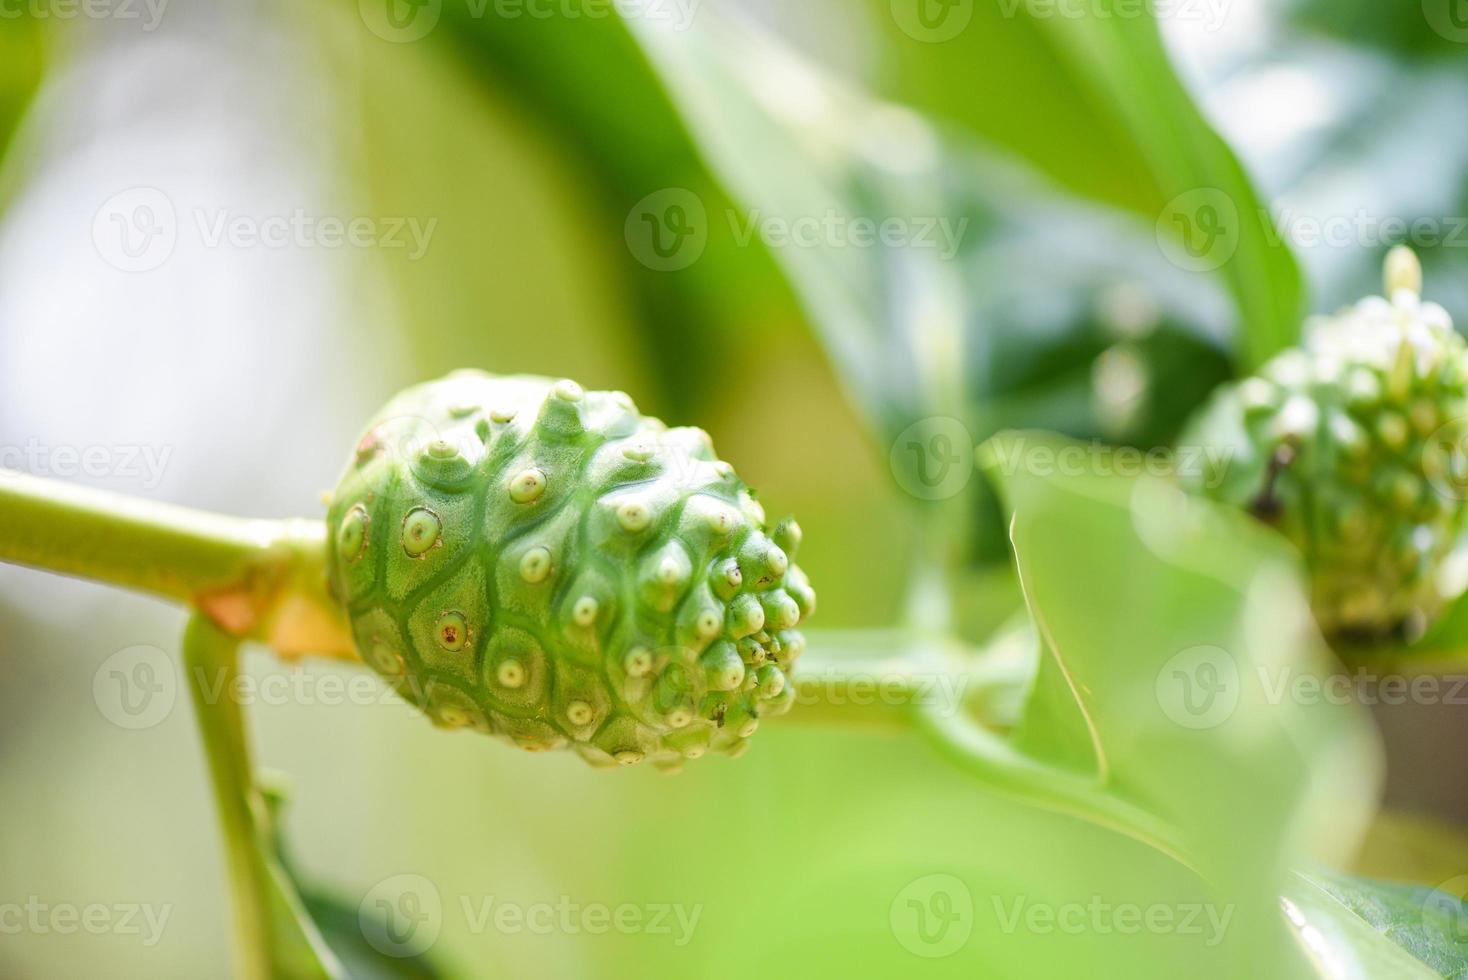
(208,652)
(273,934)
(256,579)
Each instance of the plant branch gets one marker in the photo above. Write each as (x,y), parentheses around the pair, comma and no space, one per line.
(273,935)
(261,580)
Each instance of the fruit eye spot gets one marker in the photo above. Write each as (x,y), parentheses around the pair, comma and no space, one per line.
(638,662)
(584,612)
(386,659)
(421,530)
(708,623)
(527,485)
(536,565)
(634,516)
(580,713)
(510,673)
(453,631)
(351,537)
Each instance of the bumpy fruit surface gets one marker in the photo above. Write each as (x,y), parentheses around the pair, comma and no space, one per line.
(543,563)
(1353,448)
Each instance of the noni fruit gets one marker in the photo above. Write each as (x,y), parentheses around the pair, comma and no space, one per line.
(1352,447)
(543,563)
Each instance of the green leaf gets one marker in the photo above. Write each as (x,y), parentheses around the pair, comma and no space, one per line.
(21,64)
(1118,125)
(1355,927)
(1173,632)
(630,154)
(1002,323)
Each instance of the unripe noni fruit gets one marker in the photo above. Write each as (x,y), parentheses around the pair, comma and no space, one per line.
(1351,446)
(543,563)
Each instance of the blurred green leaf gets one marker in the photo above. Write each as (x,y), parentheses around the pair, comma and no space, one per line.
(1118,126)
(1359,928)
(1166,624)
(339,924)
(22,59)
(995,309)
(632,151)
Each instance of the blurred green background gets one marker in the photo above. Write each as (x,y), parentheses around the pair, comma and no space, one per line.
(523,146)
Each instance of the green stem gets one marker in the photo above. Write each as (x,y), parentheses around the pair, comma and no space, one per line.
(273,935)
(211,659)
(151,547)
(990,757)
(256,579)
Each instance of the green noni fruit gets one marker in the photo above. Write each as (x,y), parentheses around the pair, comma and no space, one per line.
(543,563)
(1352,447)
